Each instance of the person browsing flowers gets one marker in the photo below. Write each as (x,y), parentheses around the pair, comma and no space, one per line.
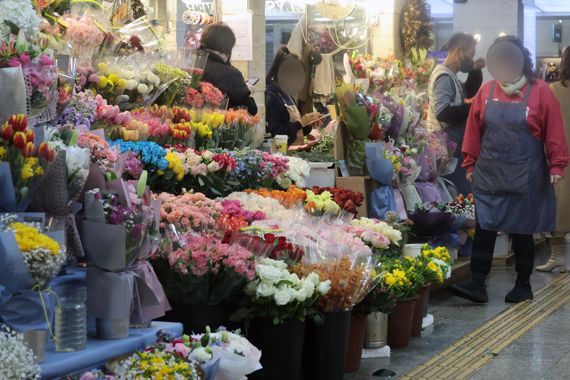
(514,151)
(285,79)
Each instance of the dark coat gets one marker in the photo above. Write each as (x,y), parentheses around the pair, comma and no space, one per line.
(230,80)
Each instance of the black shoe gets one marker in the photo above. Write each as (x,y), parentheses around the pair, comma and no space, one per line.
(472,291)
(521,292)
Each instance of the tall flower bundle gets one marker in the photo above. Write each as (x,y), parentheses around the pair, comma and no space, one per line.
(204,95)
(83,34)
(21,15)
(189,211)
(17,361)
(109,218)
(20,156)
(291,197)
(102,154)
(349,281)
(42,254)
(37,66)
(279,295)
(235,217)
(321,204)
(380,227)
(80,112)
(255,169)
(204,270)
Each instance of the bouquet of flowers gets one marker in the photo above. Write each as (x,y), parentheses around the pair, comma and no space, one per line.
(347,200)
(321,204)
(355,117)
(401,279)
(232,354)
(204,95)
(349,281)
(176,92)
(278,294)
(155,363)
(29,259)
(235,217)
(292,197)
(255,169)
(204,270)
(103,155)
(374,226)
(17,361)
(21,163)
(84,35)
(114,229)
(189,211)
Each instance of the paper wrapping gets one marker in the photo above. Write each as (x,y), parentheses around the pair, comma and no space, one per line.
(8,201)
(149,299)
(105,245)
(109,295)
(13,94)
(20,306)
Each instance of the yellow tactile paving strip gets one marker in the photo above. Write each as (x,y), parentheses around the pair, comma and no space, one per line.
(475,350)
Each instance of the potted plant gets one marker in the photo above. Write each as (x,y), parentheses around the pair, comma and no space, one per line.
(400,279)
(275,307)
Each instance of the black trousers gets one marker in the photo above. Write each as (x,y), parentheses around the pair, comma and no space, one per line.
(484,246)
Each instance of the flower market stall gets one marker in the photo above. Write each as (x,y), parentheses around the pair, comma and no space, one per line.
(144,235)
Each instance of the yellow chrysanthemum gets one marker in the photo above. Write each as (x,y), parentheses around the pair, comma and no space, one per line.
(2,152)
(30,238)
(175,164)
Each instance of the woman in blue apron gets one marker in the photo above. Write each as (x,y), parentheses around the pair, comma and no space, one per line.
(514,150)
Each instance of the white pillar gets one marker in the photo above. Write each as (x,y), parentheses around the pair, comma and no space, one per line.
(386,36)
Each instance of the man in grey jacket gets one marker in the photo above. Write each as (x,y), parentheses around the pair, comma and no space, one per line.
(449,98)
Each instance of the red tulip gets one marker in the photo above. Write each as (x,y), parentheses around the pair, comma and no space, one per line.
(20,140)
(45,152)
(28,149)
(30,135)
(18,122)
(7,132)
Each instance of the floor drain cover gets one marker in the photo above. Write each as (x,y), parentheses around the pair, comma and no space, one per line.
(384,373)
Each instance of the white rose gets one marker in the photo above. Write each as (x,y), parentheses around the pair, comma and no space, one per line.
(131,84)
(304,293)
(309,288)
(268,273)
(265,289)
(282,296)
(313,278)
(142,88)
(207,155)
(213,167)
(324,287)
(200,355)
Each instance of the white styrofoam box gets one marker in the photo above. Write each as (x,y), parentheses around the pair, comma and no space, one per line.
(322,174)
(502,245)
(412,250)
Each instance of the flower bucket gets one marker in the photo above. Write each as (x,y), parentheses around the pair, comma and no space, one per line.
(355,342)
(195,318)
(326,346)
(400,323)
(419,311)
(112,328)
(376,330)
(281,348)
(412,250)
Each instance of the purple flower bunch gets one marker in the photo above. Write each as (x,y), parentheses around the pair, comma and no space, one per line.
(397,111)
(132,165)
(80,112)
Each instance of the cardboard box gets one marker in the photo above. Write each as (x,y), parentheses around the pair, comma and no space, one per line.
(341,138)
(364,185)
(322,174)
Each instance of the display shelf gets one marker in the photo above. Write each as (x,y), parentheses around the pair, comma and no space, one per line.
(99,351)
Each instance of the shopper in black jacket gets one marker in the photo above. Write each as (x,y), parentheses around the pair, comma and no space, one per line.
(285,79)
(218,40)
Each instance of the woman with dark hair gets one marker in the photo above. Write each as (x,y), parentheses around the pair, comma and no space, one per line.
(285,79)
(514,152)
(557,259)
(218,41)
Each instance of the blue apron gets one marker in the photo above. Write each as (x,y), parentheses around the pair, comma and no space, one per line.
(511,182)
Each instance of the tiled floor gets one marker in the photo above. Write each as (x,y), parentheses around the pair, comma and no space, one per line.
(542,353)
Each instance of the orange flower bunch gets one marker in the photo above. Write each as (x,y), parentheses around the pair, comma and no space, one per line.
(290,198)
(241,116)
(349,283)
